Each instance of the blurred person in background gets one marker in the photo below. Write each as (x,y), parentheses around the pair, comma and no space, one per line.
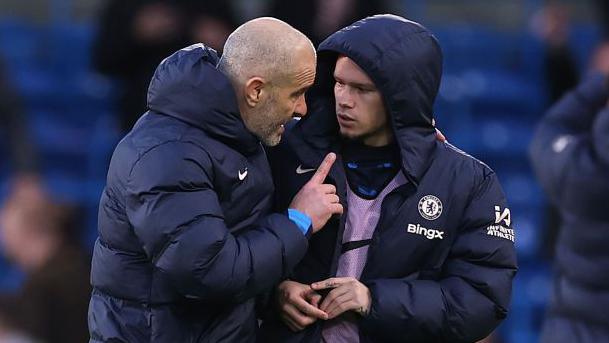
(552,25)
(424,252)
(135,35)
(319,18)
(603,13)
(38,235)
(570,154)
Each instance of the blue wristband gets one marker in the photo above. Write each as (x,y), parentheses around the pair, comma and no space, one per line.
(300,219)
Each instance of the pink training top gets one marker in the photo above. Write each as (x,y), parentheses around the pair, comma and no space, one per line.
(362,218)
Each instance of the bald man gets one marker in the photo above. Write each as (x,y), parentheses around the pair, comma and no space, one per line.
(186,237)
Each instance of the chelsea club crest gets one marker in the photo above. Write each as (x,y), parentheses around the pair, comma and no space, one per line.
(430,207)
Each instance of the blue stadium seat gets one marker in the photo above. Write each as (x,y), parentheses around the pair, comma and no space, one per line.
(71,47)
(21,44)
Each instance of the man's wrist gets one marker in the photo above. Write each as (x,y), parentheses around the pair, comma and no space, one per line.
(302,221)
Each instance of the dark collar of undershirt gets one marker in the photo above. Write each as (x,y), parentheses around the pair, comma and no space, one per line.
(370,169)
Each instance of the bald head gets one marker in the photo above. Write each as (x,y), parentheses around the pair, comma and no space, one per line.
(270,65)
(264,47)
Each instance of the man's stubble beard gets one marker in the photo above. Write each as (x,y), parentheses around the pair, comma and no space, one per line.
(263,123)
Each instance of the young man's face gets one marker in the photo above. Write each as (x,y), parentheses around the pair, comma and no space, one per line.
(359,106)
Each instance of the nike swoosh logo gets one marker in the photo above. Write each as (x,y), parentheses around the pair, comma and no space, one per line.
(299,170)
(242,175)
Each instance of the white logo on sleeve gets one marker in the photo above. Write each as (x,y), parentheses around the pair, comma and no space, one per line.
(502,216)
(242,175)
(300,170)
(430,207)
(502,225)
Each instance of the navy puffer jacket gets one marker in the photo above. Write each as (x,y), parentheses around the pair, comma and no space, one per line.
(445,277)
(186,237)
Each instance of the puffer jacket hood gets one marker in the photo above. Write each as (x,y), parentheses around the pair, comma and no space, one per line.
(404,61)
(186,86)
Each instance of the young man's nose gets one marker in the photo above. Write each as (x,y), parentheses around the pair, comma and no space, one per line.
(344,101)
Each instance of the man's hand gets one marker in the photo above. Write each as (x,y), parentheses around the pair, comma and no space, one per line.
(298,305)
(348,295)
(317,199)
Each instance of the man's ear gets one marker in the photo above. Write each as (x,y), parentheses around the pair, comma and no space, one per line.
(254,91)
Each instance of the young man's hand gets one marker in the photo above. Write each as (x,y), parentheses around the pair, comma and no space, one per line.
(348,294)
(298,305)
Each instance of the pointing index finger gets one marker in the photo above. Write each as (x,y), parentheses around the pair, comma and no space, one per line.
(324,168)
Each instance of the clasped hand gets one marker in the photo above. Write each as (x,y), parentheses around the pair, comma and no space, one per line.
(299,304)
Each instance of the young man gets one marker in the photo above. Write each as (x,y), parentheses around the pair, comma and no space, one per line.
(186,237)
(424,251)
